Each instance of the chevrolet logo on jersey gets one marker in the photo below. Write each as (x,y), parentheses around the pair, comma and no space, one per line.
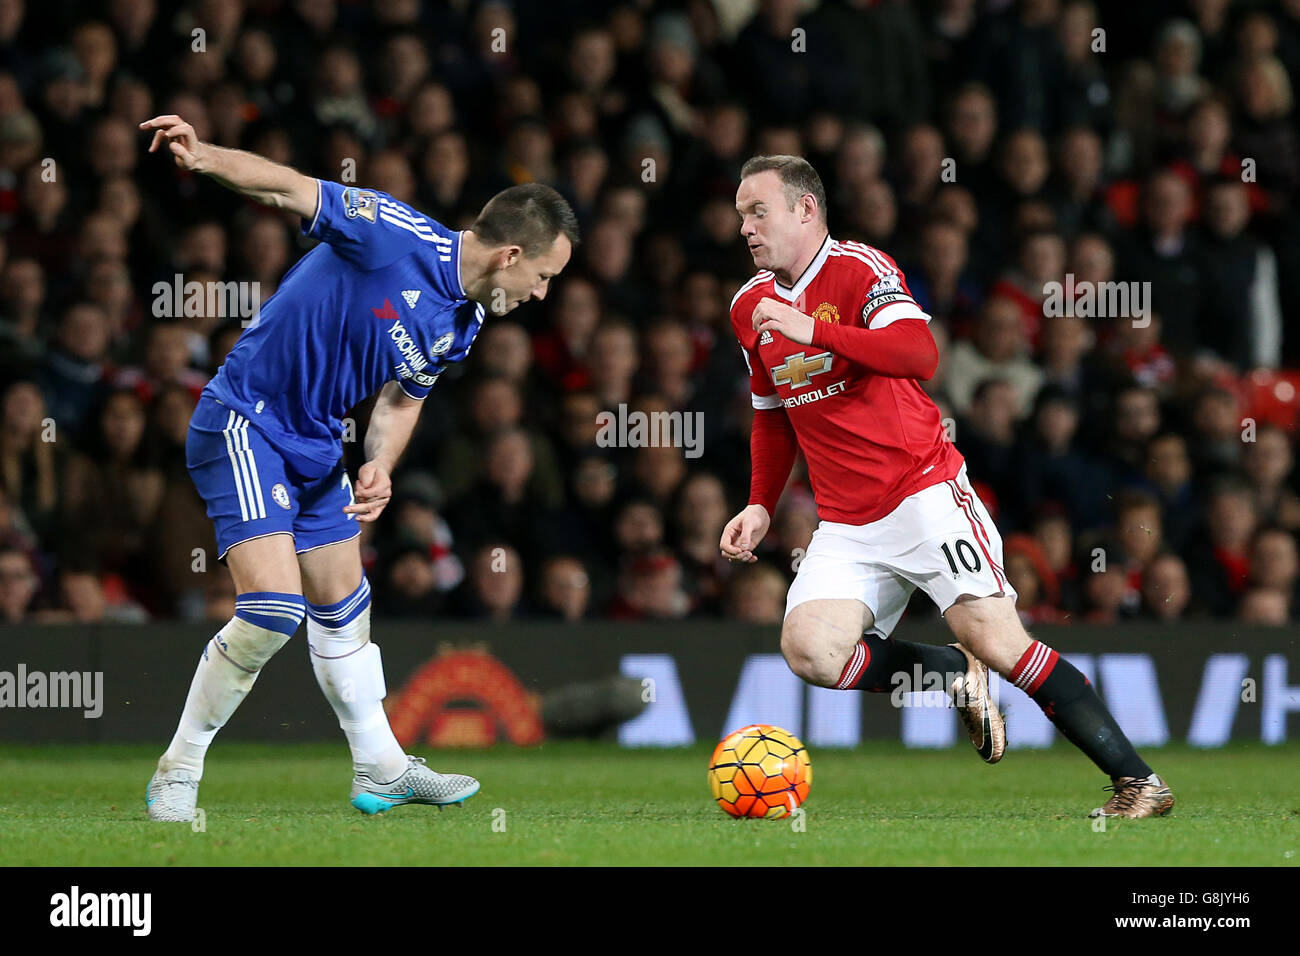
(799,369)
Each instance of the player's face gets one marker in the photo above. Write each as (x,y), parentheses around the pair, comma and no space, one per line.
(526,279)
(771,229)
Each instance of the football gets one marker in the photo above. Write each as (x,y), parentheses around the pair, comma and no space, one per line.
(760,771)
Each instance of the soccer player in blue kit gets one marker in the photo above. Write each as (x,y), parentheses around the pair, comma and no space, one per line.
(385,302)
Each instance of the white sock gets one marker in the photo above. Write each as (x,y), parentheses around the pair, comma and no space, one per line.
(350,673)
(227,671)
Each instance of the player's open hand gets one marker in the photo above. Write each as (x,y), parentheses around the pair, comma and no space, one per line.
(743,533)
(180,138)
(373,489)
(775,316)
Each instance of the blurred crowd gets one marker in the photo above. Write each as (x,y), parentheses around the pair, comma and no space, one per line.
(1139,466)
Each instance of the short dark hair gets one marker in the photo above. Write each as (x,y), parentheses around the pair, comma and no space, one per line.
(531,216)
(797,176)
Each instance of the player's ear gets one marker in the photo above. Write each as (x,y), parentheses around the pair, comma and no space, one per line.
(509,256)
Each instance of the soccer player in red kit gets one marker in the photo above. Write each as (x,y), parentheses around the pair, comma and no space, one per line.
(835,344)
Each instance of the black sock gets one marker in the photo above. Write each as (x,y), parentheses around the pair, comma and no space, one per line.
(1071,703)
(875,662)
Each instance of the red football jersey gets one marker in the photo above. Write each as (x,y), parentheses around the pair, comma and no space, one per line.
(869,440)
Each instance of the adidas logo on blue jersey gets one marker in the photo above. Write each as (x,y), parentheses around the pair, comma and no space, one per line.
(411,296)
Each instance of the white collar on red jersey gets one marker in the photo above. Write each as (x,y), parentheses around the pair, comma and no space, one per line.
(809,274)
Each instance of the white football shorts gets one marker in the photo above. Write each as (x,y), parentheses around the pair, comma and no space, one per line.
(940,540)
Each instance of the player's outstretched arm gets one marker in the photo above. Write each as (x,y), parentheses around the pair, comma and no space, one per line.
(743,533)
(392,422)
(902,349)
(772,447)
(247,173)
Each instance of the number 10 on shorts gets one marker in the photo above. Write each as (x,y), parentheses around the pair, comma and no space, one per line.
(961,552)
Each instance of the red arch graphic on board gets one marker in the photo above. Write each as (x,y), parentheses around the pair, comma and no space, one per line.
(465,698)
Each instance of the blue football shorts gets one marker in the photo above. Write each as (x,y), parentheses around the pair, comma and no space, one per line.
(251,491)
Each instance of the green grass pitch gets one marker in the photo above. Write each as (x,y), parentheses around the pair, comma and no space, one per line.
(588,803)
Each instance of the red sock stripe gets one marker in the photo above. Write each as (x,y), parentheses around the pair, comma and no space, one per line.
(854,668)
(1034,667)
(981,536)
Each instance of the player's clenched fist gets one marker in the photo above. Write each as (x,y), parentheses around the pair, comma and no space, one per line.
(180,139)
(775,316)
(372,491)
(743,533)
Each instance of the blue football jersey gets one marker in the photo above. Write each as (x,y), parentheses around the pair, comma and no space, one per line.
(379,300)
